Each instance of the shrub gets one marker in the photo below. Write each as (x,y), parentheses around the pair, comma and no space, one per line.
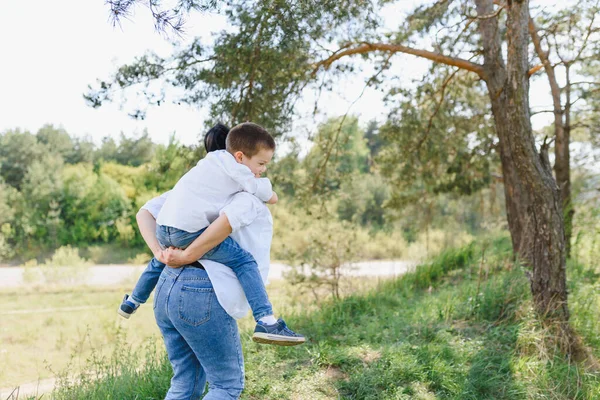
(65,267)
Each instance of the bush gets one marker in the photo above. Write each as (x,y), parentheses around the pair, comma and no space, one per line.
(65,267)
(328,246)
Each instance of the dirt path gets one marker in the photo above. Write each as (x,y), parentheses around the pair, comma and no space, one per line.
(50,310)
(109,275)
(37,389)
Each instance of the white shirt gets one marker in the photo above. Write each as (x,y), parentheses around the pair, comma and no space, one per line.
(252,227)
(203,191)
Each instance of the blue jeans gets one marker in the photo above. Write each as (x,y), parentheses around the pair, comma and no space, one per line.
(228,253)
(202,340)
(147,282)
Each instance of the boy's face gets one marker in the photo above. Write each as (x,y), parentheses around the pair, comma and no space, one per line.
(257,163)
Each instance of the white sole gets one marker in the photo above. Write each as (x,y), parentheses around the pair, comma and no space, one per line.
(123,314)
(267,338)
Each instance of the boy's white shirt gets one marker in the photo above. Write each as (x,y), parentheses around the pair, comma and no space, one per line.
(195,201)
(252,227)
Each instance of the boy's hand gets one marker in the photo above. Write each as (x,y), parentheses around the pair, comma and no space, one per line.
(274,199)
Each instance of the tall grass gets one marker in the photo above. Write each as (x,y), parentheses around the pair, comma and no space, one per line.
(127,373)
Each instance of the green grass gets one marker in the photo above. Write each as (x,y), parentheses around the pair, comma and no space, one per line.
(40,332)
(461,327)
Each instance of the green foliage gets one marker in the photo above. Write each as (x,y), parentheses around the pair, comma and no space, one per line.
(57,141)
(339,151)
(374,140)
(429,275)
(362,199)
(439,145)
(169,164)
(17,151)
(254,72)
(63,268)
(93,206)
(296,228)
(51,195)
(122,374)
(287,172)
(129,151)
(570,38)
(41,191)
(8,197)
(330,246)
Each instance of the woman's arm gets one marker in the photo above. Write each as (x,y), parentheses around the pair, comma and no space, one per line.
(209,239)
(147,225)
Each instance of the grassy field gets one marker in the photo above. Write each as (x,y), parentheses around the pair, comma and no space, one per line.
(46,331)
(50,330)
(460,327)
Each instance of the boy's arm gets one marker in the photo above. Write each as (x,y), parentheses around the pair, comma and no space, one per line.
(260,187)
(274,199)
(146,219)
(209,239)
(264,189)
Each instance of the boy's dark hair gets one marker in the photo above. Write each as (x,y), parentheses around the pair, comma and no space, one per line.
(249,138)
(215,138)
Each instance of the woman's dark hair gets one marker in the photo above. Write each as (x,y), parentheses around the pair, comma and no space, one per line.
(215,138)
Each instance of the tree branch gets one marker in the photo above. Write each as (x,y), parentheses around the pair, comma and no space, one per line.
(365,48)
(584,83)
(541,112)
(535,69)
(437,108)
(322,167)
(488,16)
(543,56)
(589,32)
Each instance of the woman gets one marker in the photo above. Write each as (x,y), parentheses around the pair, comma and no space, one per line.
(195,305)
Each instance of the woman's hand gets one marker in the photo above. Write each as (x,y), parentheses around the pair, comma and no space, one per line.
(175,257)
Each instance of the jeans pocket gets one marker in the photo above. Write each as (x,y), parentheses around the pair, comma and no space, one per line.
(159,286)
(194,305)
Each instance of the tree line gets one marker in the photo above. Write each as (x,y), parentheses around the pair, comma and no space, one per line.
(56,189)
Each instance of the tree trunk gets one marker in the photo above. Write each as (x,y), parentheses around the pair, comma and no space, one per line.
(563,179)
(516,198)
(531,191)
(562,168)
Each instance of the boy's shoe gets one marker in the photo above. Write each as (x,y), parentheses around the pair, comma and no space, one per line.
(278,334)
(127,307)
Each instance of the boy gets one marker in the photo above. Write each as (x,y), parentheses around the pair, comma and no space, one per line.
(196,201)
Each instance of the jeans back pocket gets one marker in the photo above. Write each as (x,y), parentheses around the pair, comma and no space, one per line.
(194,304)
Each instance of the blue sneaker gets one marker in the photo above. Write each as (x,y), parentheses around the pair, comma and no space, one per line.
(127,307)
(278,334)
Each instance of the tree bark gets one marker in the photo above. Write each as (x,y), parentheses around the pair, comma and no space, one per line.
(542,236)
(517,198)
(562,168)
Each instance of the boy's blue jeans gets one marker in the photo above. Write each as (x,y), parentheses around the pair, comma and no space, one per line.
(228,253)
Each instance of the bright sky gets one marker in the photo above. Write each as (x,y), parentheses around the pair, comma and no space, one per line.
(52,50)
